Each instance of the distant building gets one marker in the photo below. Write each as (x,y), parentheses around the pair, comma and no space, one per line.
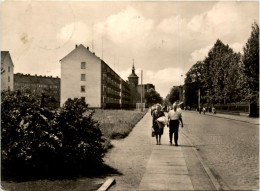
(86,76)
(7,71)
(38,84)
(133,84)
(145,88)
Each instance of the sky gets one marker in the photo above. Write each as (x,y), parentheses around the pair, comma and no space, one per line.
(163,38)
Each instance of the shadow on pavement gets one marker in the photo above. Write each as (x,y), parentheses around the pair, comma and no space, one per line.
(100,171)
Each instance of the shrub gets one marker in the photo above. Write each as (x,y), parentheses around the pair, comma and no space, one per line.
(36,141)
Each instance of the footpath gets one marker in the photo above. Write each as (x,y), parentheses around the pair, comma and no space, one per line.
(242,118)
(166,168)
(143,165)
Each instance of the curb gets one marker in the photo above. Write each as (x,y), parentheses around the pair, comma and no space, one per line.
(206,168)
(230,118)
(109,182)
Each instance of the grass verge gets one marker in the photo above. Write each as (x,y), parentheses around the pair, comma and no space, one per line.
(117,124)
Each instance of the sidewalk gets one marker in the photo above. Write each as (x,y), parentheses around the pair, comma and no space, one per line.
(166,168)
(254,121)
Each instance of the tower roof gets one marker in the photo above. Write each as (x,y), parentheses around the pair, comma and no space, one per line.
(133,75)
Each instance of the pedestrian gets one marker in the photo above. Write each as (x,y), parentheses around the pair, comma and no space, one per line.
(157,130)
(179,108)
(214,110)
(174,117)
(204,110)
(153,108)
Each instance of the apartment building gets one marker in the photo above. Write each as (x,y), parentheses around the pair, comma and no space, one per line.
(86,76)
(48,85)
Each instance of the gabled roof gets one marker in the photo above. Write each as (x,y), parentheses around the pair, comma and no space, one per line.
(77,48)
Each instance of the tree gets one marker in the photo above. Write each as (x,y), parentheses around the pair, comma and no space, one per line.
(195,80)
(174,95)
(250,65)
(152,97)
(37,142)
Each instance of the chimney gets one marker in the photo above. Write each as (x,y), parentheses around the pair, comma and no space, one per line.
(87,48)
(76,46)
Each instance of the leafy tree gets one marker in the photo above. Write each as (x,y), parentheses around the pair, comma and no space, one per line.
(250,66)
(152,97)
(195,80)
(174,95)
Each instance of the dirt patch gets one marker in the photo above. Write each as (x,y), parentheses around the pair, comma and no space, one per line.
(130,155)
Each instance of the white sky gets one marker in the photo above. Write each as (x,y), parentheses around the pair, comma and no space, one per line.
(165,38)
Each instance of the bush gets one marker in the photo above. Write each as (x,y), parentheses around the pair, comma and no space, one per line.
(38,142)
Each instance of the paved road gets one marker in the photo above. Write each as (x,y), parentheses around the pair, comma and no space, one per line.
(135,157)
(230,148)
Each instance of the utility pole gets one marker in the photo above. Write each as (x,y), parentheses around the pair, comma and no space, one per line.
(102,47)
(141,90)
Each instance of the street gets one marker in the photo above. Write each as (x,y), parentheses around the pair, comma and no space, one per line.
(230,148)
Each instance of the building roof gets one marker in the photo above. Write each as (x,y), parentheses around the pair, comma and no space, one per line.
(3,54)
(77,47)
(30,79)
(133,76)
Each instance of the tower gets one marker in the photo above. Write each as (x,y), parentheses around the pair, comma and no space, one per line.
(133,78)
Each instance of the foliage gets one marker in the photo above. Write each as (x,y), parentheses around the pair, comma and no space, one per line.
(250,66)
(152,97)
(174,95)
(38,142)
(219,77)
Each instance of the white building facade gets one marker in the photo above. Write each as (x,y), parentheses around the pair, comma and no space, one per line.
(7,71)
(81,76)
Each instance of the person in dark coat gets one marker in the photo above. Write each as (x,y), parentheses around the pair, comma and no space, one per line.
(157,130)
(174,117)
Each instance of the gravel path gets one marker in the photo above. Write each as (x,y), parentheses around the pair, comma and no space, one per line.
(130,155)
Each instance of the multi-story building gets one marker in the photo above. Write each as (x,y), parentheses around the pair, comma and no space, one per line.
(114,93)
(125,94)
(38,84)
(86,76)
(7,71)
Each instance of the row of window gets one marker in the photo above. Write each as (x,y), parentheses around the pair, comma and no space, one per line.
(37,85)
(111,100)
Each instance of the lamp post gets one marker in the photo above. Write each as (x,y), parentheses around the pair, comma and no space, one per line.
(141,90)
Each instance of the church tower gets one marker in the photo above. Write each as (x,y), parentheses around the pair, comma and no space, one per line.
(133,78)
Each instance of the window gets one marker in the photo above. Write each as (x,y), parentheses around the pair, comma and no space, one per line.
(83,89)
(8,78)
(9,69)
(83,98)
(8,88)
(83,65)
(83,77)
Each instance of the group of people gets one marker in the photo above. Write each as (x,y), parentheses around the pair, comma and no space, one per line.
(213,110)
(173,120)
